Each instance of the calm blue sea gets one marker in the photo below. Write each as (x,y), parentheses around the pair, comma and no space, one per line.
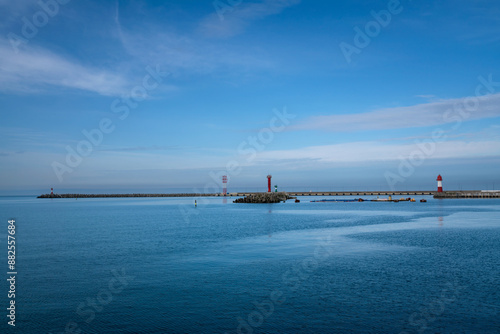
(162,265)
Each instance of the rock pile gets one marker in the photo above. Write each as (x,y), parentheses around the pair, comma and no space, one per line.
(264,198)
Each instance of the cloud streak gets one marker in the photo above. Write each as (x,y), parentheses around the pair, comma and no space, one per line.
(421,115)
(239,17)
(38,70)
(141,148)
(186,54)
(375,151)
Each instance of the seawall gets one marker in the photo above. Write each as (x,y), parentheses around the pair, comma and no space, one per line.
(443,195)
(240,194)
(468,194)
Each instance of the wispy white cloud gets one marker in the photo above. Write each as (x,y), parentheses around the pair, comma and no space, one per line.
(421,115)
(485,19)
(12,11)
(426,96)
(374,151)
(310,157)
(188,54)
(20,138)
(140,148)
(7,4)
(236,19)
(40,70)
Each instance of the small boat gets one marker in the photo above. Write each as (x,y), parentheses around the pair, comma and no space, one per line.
(297,201)
(423,201)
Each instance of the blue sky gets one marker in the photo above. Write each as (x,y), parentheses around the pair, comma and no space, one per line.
(321,94)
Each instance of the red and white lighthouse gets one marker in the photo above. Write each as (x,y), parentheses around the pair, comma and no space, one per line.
(440,183)
(52,191)
(269,183)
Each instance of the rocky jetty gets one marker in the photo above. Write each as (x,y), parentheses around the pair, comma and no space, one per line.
(468,194)
(124,195)
(264,198)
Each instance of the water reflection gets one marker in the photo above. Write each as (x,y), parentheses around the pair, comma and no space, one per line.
(269,222)
(440,213)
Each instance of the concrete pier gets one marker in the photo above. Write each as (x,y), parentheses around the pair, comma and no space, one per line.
(468,194)
(241,194)
(395,194)
(362,193)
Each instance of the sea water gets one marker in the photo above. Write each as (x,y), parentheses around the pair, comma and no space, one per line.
(162,265)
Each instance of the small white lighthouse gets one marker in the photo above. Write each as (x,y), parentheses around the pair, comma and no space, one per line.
(440,183)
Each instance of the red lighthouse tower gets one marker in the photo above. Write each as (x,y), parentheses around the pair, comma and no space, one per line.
(269,183)
(440,183)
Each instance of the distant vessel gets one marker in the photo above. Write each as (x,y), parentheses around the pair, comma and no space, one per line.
(408,199)
(389,199)
(383,199)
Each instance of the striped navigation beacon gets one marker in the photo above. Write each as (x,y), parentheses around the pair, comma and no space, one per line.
(224,185)
(440,183)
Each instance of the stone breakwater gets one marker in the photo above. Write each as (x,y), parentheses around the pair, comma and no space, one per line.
(468,194)
(264,198)
(124,195)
